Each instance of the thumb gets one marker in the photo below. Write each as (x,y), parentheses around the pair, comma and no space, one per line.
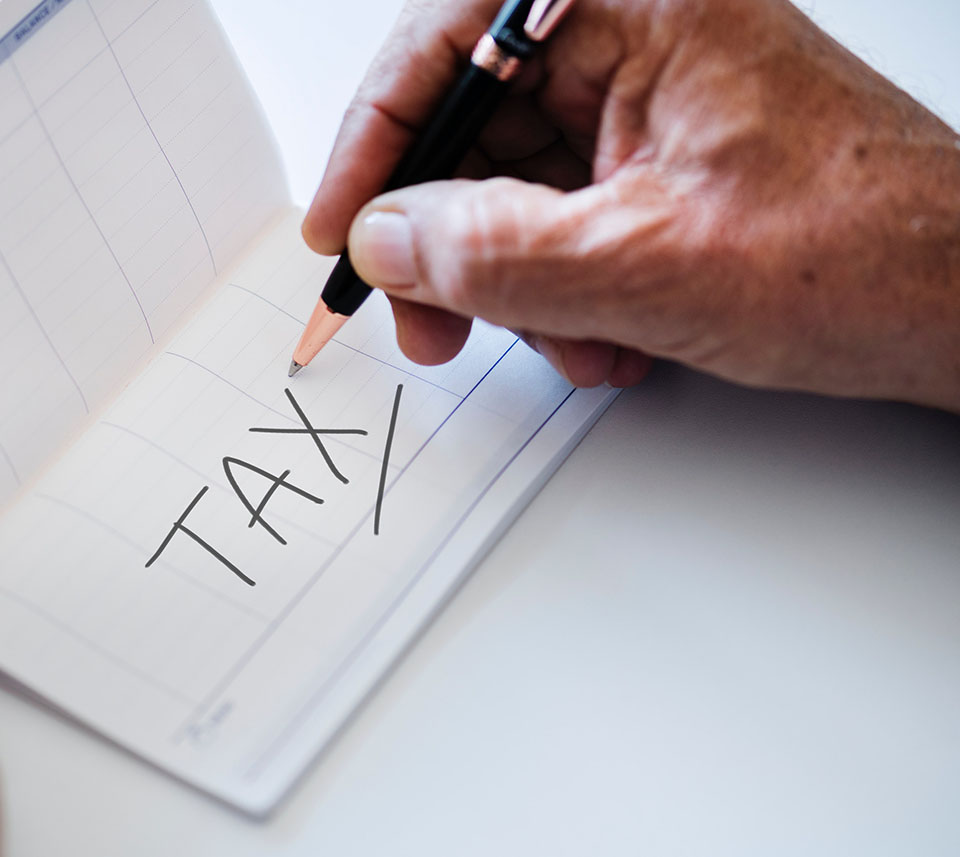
(516,254)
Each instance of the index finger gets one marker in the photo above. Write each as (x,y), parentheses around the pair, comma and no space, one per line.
(413,69)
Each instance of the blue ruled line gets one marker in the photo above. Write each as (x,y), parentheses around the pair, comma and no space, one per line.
(28,26)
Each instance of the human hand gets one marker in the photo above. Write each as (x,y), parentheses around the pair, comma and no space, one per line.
(712,181)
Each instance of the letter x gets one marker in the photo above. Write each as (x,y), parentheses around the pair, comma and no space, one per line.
(314,433)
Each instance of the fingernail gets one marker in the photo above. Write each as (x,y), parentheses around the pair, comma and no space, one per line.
(381,249)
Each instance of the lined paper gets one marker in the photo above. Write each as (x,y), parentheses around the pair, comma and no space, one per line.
(206,672)
(207,562)
(133,167)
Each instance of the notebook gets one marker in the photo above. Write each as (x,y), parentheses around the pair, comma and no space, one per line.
(206,562)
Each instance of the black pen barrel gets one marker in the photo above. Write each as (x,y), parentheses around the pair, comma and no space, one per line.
(438,151)
(454,129)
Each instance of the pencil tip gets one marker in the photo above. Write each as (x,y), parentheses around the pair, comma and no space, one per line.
(294,368)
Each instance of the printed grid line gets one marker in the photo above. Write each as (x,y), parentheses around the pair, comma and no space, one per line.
(296,721)
(240,390)
(338,547)
(192,581)
(43,330)
(16,128)
(10,464)
(82,200)
(273,410)
(348,347)
(264,405)
(145,86)
(106,654)
(231,675)
(70,80)
(275,623)
(206,478)
(137,19)
(153,133)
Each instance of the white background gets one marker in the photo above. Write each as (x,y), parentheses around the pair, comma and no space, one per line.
(729,625)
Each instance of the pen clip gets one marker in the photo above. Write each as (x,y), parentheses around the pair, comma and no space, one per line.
(544,17)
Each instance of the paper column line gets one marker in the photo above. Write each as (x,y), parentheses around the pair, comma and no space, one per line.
(169,566)
(153,134)
(106,654)
(135,20)
(386,363)
(83,202)
(264,405)
(10,464)
(230,676)
(240,390)
(43,330)
(206,476)
(97,56)
(14,130)
(72,78)
(296,721)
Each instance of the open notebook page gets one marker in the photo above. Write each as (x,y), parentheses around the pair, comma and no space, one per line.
(228,560)
(134,166)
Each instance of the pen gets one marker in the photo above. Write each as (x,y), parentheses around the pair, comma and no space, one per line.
(497,58)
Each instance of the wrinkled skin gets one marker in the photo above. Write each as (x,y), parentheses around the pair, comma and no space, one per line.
(712,181)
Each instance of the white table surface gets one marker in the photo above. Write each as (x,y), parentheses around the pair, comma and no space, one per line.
(729,625)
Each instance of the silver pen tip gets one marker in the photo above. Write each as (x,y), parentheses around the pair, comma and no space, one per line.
(294,368)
